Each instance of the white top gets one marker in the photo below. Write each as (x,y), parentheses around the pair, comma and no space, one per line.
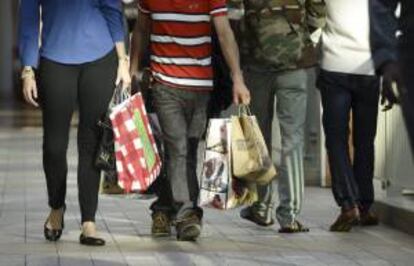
(345,38)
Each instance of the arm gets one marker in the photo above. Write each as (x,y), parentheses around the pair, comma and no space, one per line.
(112,12)
(231,53)
(29,32)
(384,47)
(123,66)
(383,29)
(29,47)
(139,41)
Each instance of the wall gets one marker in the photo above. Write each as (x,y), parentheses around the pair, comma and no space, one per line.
(394,159)
(6,48)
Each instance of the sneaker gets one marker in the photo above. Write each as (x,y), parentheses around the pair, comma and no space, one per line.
(161,224)
(189,227)
(249,214)
(346,220)
(369,219)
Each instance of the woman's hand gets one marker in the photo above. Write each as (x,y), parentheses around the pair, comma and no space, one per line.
(123,73)
(30,87)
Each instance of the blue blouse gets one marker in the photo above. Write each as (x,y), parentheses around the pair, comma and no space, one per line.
(73,31)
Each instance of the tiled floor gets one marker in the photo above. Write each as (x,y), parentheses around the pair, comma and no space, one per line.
(125,223)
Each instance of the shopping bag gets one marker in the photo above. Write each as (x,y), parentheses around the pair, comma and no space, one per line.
(251,160)
(159,140)
(137,159)
(105,155)
(109,181)
(218,188)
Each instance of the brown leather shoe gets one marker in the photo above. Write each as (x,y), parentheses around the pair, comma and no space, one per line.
(346,220)
(369,219)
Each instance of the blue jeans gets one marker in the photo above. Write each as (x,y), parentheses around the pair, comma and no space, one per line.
(352,182)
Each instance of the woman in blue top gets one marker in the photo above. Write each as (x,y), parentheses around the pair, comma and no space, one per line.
(79,61)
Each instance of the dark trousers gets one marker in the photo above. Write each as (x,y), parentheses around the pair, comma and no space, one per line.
(182,115)
(63,87)
(352,182)
(407,96)
(408,108)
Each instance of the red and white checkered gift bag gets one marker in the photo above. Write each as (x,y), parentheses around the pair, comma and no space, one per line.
(137,159)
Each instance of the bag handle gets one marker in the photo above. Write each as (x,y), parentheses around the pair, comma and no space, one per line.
(119,95)
(244,110)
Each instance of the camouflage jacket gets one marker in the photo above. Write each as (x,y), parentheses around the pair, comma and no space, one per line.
(274,35)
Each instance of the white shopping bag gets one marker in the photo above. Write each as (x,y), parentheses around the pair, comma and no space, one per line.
(218,188)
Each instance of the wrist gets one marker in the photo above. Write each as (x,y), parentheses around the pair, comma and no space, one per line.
(237,77)
(27,73)
(123,59)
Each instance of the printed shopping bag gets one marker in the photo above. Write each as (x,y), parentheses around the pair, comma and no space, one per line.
(105,156)
(137,159)
(250,157)
(218,188)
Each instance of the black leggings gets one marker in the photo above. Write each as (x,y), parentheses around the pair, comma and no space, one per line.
(61,88)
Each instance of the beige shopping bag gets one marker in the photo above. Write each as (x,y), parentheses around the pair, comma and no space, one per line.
(218,188)
(250,158)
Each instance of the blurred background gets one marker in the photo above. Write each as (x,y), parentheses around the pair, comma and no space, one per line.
(394,165)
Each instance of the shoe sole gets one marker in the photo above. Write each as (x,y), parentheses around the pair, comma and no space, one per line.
(368,224)
(189,233)
(251,219)
(362,222)
(293,231)
(52,237)
(161,234)
(345,227)
(91,241)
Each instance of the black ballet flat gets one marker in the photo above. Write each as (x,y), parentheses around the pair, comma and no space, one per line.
(91,241)
(54,234)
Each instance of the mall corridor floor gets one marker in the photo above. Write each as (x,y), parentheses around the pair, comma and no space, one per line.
(126,225)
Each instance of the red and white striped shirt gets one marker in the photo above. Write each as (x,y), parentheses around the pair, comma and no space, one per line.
(181,41)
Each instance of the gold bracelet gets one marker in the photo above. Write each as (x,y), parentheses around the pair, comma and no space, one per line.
(123,59)
(27,73)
